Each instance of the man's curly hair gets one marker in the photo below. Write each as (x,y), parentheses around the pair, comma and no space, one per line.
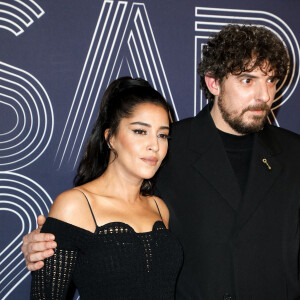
(237,49)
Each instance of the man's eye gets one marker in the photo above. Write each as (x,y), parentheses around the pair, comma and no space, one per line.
(163,136)
(272,80)
(246,80)
(139,131)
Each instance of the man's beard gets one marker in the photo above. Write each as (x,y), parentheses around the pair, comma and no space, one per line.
(237,123)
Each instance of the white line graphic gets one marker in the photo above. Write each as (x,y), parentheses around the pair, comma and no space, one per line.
(211,20)
(123,31)
(21,200)
(34,122)
(19,15)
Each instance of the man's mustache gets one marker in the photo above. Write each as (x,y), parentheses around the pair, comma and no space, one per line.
(261,106)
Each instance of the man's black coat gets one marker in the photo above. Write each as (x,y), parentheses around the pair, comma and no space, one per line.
(234,247)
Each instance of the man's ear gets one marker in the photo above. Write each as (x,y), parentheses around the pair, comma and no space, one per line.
(213,85)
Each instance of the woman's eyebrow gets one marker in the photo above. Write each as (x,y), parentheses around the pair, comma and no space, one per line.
(140,123)
(148,125)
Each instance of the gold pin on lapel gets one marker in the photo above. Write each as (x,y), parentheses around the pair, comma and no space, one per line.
(264,160)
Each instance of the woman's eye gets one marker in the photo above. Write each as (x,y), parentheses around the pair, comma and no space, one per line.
(139,131)
(163,136)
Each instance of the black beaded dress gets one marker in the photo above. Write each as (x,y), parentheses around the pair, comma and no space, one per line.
(114,262)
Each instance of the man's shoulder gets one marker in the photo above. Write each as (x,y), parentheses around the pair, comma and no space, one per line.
(201,119)
(285,134)
(182,124)
(283,140)
(180,130)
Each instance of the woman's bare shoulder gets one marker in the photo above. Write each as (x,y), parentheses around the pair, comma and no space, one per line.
(163,209)
(71,206)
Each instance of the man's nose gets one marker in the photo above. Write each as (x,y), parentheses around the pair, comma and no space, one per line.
(263,92)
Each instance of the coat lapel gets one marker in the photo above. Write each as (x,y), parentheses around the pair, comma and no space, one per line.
(212,162)
(264,170)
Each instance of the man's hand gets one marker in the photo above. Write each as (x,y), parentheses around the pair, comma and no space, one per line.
(37,246)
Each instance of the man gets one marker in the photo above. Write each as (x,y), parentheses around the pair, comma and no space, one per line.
(231,181)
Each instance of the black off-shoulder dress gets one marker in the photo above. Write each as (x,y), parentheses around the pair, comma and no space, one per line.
(114,262)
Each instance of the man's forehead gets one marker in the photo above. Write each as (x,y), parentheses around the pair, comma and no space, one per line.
(256,65)
(264,70)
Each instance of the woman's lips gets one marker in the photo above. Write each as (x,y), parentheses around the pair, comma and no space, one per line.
(151,161)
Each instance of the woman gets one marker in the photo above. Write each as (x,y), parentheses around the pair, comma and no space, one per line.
(112,235)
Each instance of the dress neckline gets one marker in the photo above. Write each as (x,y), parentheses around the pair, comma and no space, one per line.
(157,224)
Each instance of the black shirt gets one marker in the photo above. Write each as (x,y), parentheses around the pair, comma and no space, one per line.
(239,150)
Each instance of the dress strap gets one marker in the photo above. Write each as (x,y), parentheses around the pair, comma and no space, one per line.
(89,205)
(158,209)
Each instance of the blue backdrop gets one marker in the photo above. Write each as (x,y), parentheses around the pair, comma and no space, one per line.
(56,59)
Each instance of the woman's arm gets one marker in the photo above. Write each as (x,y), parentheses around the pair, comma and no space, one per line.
(36,245)
(53,279)
(68,212)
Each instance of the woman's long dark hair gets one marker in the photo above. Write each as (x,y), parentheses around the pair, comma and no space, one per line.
(118,102)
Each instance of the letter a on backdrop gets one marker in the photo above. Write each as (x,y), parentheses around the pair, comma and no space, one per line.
(123,44)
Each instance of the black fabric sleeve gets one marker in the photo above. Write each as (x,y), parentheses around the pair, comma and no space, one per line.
(53,279)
